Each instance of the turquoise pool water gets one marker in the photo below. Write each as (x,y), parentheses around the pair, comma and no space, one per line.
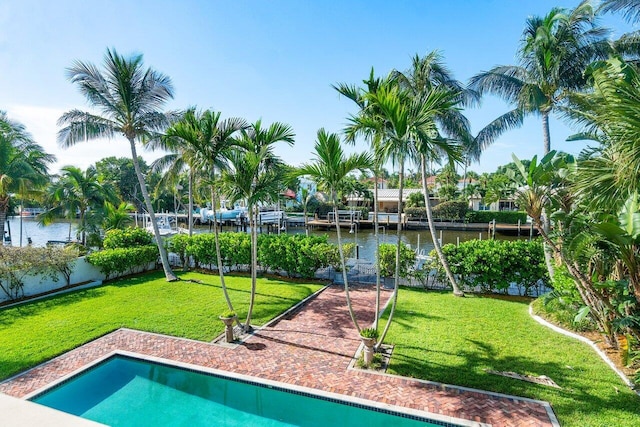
(123,391)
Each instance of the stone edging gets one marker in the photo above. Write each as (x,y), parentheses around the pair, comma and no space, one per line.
(587,341)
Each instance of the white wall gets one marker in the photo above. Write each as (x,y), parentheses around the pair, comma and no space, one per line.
(82,272)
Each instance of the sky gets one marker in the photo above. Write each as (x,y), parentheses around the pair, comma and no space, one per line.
(256,59)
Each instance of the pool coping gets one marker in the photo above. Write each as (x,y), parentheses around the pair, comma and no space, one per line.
(380,406)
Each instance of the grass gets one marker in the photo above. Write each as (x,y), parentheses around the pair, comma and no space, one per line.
(452,340)
(34,332)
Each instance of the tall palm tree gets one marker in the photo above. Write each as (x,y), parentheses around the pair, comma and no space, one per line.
(427,77)
(130,100)
(359,96)
(330,169)
(555,51)
(78,193)
(256,175)
(23,164)
(202,142)
(408,124)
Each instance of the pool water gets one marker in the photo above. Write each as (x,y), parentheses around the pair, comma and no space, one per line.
(124,391)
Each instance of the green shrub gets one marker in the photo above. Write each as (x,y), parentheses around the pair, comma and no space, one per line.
(502,217)
(450,211)
(416,212)
(127,238)
(387,259)
(492,265)
(235,249)
(123,260)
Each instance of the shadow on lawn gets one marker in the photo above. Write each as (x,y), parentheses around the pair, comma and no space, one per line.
(574,398)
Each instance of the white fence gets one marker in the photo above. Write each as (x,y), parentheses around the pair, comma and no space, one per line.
(83,272)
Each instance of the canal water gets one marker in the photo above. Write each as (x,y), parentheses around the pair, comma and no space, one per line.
(365,239)
(39,234)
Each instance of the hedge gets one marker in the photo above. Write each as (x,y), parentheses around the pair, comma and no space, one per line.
(123,260)
(493,265)
(294,255)
(127,238)
(451,211)
(502,217)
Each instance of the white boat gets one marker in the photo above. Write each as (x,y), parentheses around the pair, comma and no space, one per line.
(226,212)
(164,225)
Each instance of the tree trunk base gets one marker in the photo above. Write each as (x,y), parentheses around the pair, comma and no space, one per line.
(459,294)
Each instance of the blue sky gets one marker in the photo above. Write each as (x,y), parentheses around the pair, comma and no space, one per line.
(274,60)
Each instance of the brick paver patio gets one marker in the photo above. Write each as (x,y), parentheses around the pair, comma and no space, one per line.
(312,348)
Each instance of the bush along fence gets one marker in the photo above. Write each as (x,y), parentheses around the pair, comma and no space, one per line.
(284,254)
(455,211)
(497,265)
(125,252)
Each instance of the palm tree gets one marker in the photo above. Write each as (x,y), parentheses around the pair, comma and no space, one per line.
(556,49)
(202,141)
(408,126)
(330,169)
(429,77)
(81,193)
(629,8)
(256,176)
(359,96)
(117,217)
(130,100)
(23,164)
(610,172)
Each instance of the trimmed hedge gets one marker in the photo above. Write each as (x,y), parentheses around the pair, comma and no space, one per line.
(502,217)
(294,255)
(492,265)
(416,212)
(127,238)
(450,211)
(123,260)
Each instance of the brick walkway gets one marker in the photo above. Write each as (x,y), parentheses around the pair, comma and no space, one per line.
(311,348)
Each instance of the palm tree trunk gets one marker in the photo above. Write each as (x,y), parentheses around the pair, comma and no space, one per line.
(396,283)
(83,239)
(216,238)
(432,228)
(546,134)
(254,266)
(546,138)
(306,222)
(190,213)
(171,277)
(4,205)
(375,225)
(342,262)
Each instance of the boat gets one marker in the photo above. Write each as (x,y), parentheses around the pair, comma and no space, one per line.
(226,212)
(30,212)
(164,225)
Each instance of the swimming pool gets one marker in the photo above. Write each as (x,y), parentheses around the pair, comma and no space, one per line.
(125,391)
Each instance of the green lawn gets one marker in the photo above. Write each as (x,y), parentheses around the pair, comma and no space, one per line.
(442,338)
(34,332)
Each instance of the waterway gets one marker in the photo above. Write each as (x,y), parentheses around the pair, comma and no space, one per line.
(39,234)
(365,239)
